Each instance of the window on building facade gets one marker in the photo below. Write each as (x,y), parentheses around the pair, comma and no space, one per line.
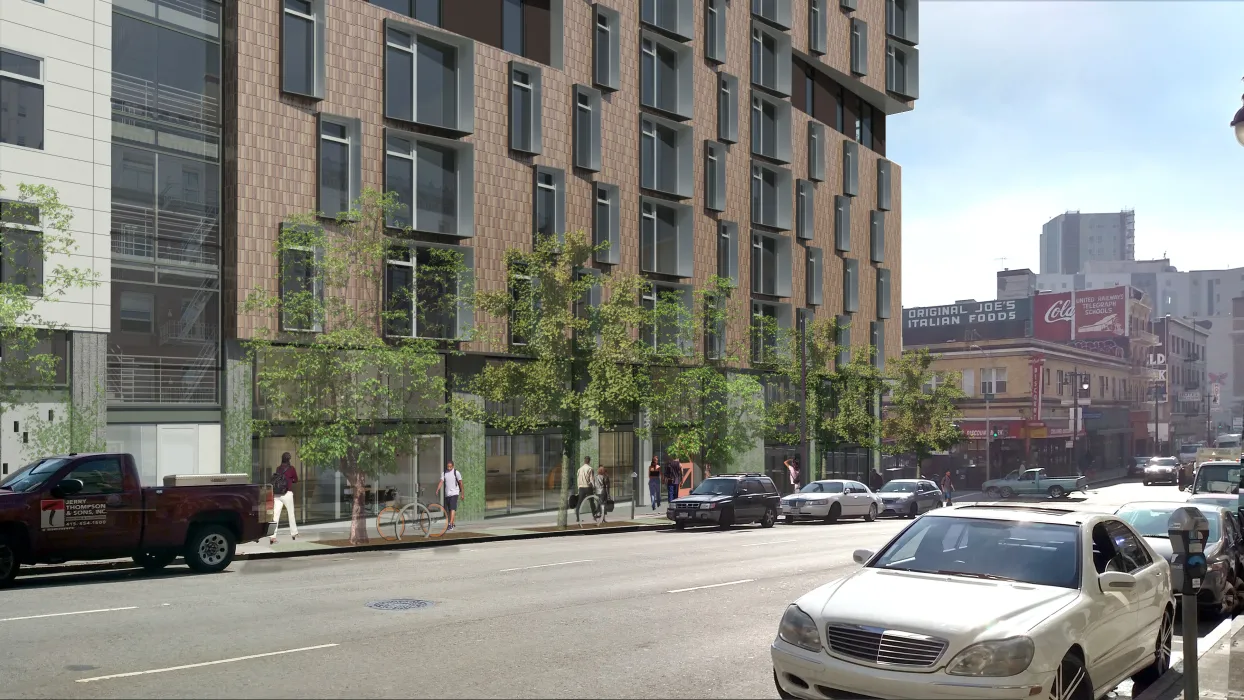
(302,48)
(770,127)
(665,156)
(993,380)
(771,195)
(816,151)
(859,46)
(817,27)
(429,77)
(771,264)
(433,180)
(512,26)
(666,74)
(587,128)
(728,251)
(815,292)
(526,101)
(672,16)
(422,289)
(842,223)
(423,10)
(714,176)
(669,307)
(771,59)
(666,237)
(340,169)
(805,209)
(850,285)
(769,322)
(876,332)
(876,236)
(606,224)
(727,108)
(302,290)
(775,12)
(883,293)
(21,100)
(883,184)
(550,203)
(606,49)
(902,20)
(21,248)
(850,168)
(715,30)
(902,75)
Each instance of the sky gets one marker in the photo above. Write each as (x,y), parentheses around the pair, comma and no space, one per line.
(1031,108)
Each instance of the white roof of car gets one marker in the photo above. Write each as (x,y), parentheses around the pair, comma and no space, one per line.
(1036,514)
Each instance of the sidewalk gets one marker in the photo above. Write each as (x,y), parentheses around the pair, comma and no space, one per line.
(1220,671)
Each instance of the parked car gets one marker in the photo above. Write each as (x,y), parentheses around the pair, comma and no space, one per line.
(93,506)
(831,499)
(1221,589)
(1217,476)
(985,601)
(1163,470)
(910,497)
(1137,466)
(728,499)
(1032,482)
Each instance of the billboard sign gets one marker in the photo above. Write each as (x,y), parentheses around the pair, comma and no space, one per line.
(977,320)
(1101,313)
(1052,316)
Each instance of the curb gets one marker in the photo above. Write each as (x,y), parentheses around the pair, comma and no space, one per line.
(89,567)
(1172,680)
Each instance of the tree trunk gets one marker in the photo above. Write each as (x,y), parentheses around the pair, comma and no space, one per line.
(567,475)
(358,508)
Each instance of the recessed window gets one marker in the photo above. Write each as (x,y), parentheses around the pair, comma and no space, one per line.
(993,380)
(665,156)
(805,208)
(883,293)
(21,248)
(770,127)
(423,10)
(850,285)
(902,70)
(665,238)
(876,331)
(727,108)
(606,49)
(817,26)
(665,68)
(850,168)
(771,59)
(21,100)
(776,12)
(902,20)
(715,30)
(302,48)
(429,77)
(816,151)
(843,340)
(728,251)
(526,100)
(434,180)
(771,195)
(770,322)
(816,277)
(859,46)
(842,223)
(340,169)
(714,176)
(670,16)
(876,236)
(849,5)
(606,224)
(883,184)
(512,26)
(587,128)
(302,289)
(425,291)
(136,313)
(550,203)
(669,307)
(771,264)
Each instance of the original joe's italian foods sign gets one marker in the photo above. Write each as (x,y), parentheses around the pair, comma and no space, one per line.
(976,320)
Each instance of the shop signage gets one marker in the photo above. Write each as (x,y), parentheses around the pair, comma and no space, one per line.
(1093,314)
(975,429)
(977,320)
(1037,361)
(1215,394)
(1190,396)
(1090,415)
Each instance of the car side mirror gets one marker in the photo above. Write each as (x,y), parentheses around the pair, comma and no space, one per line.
(1116,581)
(861,556)
(68,487)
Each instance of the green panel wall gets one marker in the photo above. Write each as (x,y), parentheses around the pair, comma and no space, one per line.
(752,460)
(467,450)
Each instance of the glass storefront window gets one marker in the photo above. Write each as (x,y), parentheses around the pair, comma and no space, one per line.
(528,472)
(497,475)
(617,456)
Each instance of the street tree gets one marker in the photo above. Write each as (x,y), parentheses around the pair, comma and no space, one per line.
(38,246)
(697,401)
(922,412)
(337,360)
(571,339)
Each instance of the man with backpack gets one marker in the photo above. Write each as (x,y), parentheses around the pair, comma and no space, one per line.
(283,480)
(451,481)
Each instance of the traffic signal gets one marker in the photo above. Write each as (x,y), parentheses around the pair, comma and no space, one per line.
(995,433)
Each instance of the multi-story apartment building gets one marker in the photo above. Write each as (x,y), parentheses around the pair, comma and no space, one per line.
(697,137)
(1184,395)
(55,130)
(1070,240)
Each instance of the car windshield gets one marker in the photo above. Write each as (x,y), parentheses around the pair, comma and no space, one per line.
(1218,478)
(715,487)
(1150,520)
(32,476)
(1164,462)
(899,487)
(1042,554)
(822,487)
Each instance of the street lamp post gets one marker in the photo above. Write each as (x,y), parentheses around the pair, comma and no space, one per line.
(1079,382)
(803,398)
(988,438)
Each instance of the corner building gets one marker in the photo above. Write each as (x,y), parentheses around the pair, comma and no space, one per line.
(698,137)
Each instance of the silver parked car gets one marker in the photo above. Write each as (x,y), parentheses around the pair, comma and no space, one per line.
(910,497)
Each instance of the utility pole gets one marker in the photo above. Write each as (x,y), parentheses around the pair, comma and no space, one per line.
(804,464)
(1075,417)
(988,438)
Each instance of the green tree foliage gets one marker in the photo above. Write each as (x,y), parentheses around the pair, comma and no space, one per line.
(351,385)
(920,421)
(702,409)
(572,334)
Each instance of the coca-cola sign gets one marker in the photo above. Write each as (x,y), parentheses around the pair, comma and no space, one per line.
(1062,310)
(1052,316)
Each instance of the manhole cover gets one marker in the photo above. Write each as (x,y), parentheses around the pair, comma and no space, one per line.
(400,604)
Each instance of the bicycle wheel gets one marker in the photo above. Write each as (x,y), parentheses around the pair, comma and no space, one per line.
(438,519)
(594,507)
(418,515)
(391,524)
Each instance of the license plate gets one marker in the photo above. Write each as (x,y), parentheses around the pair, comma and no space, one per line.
(785,507)
(682,516)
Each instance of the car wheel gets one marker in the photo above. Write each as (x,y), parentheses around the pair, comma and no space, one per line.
(1071,681)
(782,691)
(726,519)
(1229,601)
(1057,492)
(913,511)
(154,561)
(209,549)
(1161,653)
(9,563)
(1146,483)
(680,526)
(1007,492)
(872,513)
(769,519)
(791,520)
(835,510)
(992,492)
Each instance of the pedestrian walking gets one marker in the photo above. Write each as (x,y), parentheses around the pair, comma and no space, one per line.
(451,481)
(585,481)
(283,480)
(601,485)
(673,477)
(948,489)
(792,469)
(654,482)
(708,470)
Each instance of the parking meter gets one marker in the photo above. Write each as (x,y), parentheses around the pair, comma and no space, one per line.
(1239,503)
(1188,530)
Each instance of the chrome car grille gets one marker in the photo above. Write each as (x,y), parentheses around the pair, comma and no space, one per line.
(883,646)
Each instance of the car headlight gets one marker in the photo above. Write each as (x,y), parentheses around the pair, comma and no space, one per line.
(821,502)
(798,628)
(1003,657)
(705,506)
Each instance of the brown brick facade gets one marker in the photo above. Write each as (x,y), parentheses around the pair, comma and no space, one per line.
(272,146)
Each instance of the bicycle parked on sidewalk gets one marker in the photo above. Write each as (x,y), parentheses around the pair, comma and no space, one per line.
(391,521)
(595,508)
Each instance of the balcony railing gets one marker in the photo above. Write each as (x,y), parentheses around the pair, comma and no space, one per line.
(161,380)
(187,332)
(146,99)
(171,236)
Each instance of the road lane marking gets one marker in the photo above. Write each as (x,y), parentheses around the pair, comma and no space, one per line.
(761,544)
(712,585)
(541,566)
(205,663)
(79,612)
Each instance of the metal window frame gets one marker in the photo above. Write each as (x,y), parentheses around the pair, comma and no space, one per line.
(464,171)
(727,108)
(317,19)
(464,71)
(611,255)
(589,100)
(611,17)
(352,141)
(805,209)
(535,88)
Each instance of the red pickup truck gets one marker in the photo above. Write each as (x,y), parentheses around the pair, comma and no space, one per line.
(92,506)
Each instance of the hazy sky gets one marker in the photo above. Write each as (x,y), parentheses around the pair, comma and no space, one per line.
(1028,109)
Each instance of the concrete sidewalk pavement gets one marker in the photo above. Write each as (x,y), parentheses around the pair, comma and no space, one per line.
(1220,671)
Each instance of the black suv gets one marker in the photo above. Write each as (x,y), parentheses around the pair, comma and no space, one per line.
(728,499)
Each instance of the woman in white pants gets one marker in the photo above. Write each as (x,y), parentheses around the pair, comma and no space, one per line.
(283,480)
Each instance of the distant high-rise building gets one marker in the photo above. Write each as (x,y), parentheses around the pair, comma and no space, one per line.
(1070,240)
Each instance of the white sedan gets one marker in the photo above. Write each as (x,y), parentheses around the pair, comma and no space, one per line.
(831,499)
(985,602)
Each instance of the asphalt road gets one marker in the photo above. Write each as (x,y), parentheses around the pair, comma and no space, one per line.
(636,615)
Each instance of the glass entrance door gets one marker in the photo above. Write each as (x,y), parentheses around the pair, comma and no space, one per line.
(498,476)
